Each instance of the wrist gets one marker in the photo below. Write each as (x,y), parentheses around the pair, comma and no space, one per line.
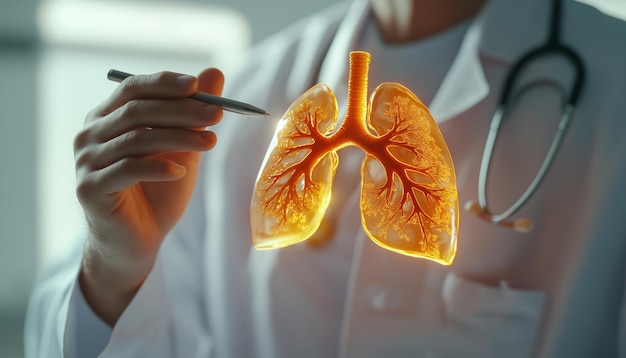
(110,280)
(120,269)
(117,256)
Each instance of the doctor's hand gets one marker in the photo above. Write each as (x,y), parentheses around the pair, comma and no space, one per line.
(137,160)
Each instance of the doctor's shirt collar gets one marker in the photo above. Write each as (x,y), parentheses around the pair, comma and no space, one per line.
(503,30)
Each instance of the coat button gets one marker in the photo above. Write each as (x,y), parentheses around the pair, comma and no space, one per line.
(384,299)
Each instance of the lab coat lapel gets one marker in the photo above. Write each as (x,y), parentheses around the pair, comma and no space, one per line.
(465,83)
(496,35)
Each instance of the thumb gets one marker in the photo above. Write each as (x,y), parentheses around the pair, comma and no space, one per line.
(211,81)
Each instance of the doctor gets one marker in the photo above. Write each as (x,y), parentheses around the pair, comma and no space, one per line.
(168,270)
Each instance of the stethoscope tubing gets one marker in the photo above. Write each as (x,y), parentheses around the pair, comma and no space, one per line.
(553,46)
(539,177)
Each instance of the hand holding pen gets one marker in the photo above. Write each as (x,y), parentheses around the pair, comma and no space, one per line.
(226,104)
(137,160)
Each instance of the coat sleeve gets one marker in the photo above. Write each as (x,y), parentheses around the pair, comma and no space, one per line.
(53,301)
(61,324)
(166,318)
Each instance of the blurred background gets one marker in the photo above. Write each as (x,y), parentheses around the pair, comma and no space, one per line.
(54,56)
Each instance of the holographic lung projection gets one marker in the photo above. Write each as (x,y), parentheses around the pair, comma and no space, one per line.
(409,201)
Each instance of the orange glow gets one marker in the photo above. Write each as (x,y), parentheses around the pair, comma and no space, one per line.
(409,201)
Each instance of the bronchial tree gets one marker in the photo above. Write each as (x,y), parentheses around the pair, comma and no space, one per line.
(409,201)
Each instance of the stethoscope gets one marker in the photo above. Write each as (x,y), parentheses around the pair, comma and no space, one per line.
(553,46)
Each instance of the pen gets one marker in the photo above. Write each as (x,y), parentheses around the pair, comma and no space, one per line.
(226,104)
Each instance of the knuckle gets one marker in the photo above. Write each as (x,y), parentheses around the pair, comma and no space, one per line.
(133,137)
(131,109)
(93,114)
(161,78)
(81,139)
(85,188)
(118,144)
(126,164)
(130,85)
(83,158)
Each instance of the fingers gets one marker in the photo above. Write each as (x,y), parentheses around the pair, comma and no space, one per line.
(126,173)
(154,113)
(130,136)
(157,100)
(211,81)
(160,85)
(143,143)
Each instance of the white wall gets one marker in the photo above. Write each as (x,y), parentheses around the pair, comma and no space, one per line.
(269,16)
(17,19)
(18,163)
(18,168)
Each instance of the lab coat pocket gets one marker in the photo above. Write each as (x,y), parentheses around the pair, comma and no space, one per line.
(499,321)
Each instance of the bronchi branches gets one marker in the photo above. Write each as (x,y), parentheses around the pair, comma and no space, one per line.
(288,180)
(408,199)
(415,189)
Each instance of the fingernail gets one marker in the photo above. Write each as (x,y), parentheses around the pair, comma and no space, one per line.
(211,115)
(209,137)
(178,170)
(208,111)
(185,81)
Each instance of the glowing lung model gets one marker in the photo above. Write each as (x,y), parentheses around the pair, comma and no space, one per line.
(409,201)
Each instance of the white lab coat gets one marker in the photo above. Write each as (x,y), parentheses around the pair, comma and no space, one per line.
(556,292)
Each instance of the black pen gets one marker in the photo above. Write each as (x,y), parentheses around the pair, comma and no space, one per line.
(226,104)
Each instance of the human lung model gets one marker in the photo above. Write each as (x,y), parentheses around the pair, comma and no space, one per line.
(409,201)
